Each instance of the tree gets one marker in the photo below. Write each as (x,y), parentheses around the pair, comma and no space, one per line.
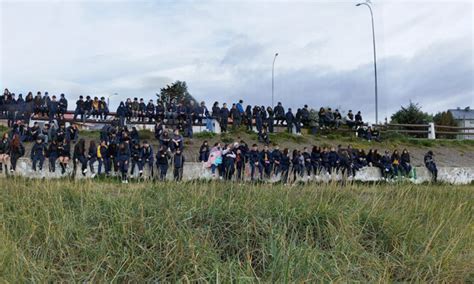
(445,118)
(411,114)
(176,93)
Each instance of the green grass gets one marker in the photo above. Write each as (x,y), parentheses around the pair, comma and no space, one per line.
(52,231)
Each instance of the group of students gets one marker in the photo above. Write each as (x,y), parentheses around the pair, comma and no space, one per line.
(184,114)
(120,151)
(230,161)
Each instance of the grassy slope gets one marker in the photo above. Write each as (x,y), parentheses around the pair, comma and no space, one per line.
(61,230)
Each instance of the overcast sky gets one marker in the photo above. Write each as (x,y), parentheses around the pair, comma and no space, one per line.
(224,51)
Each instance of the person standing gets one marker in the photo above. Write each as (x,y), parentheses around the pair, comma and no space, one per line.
(289,117)
(4,152)
(178,165)
(123,158)
(431,165)
(162,162)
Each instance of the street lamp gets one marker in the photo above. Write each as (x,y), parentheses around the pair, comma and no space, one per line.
(273,78)
(108,98)
(368,4)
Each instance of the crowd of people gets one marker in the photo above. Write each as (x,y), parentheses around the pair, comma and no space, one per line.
(230,161)
(121,152)
(182,113)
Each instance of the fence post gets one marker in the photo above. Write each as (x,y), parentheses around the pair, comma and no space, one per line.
(432,132)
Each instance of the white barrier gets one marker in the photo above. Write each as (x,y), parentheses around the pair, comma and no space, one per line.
(194,171)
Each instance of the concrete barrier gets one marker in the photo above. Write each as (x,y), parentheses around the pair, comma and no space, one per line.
(194,171)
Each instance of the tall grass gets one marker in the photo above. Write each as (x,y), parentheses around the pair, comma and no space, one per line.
(89,231)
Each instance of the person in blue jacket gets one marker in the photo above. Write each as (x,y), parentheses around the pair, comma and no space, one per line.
(38,153)
(123,158)
(255,162)
(147,157)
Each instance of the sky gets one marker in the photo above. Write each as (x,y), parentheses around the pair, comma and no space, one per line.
(224,50)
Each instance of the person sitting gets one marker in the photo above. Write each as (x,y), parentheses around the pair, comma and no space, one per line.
(350,122)
(358,119)
(386,166)
(38,152)
(396,163)
(431,165)
(405,162)
(204,152)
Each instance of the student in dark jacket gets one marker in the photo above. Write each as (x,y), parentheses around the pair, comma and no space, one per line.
(405,162)
(37,154)
(396,163)
(79,156)
(204,152)
(289,117)
(267,162)
(307,161)
(249,118)
(276,159)
(162,158)
(316,161)
(279,114)
(386,165)
(147,157)
(333,158)
(102,157)
(121,114)
(137,159)
(240,164)
(123,158)
(4,152)
(53,154)
(178,165)
(285,165)
(62,106)
(72,133)
(224,117)
(17,150)
(228,160)
(255,162)
(64,151)
(431,165)
(296,165)
(92,156)
(79,108)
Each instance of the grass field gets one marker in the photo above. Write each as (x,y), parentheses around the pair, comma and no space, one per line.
(218,232)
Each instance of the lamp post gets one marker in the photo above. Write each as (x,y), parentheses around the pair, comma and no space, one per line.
(368,4)
(108,98)
(273,79)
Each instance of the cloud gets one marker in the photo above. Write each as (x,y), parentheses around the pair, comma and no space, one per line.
(224,50)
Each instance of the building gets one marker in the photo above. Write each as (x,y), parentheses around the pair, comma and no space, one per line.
(464,118)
